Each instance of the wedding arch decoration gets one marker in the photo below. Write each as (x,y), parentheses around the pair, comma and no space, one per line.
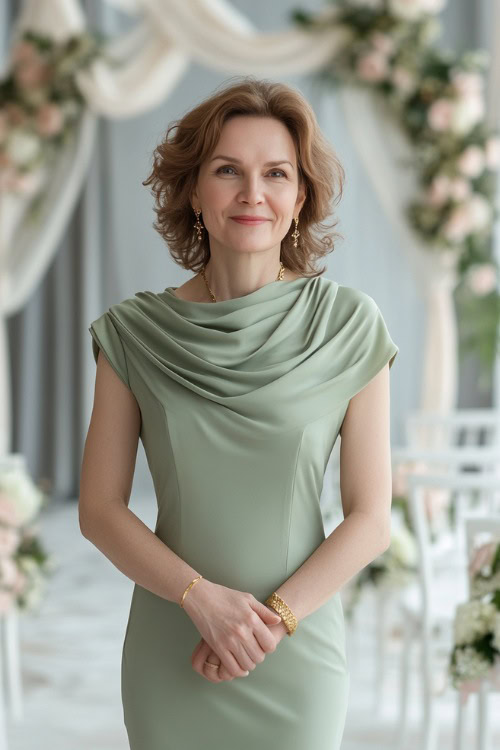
(417,117)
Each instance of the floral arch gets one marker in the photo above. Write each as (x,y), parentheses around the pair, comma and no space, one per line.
(417,115)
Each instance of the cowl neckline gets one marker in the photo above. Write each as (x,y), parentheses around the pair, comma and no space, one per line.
(271,290)
(283,354)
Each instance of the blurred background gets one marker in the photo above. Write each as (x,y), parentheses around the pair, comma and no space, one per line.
(408,93)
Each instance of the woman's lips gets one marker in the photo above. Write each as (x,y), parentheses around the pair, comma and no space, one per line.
(249,222)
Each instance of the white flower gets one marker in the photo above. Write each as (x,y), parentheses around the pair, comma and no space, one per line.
(372,4)
(412,10)
(470,664)
(403,548)
(22,147)
(473,619)
(25,495)
(480,211)
(467,112)
(482,278)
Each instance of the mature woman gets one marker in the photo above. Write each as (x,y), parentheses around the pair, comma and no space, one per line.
(238,383)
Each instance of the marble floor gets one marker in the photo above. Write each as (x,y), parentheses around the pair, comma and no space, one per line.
(71,651)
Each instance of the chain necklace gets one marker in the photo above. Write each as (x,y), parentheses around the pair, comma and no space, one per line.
(212,295)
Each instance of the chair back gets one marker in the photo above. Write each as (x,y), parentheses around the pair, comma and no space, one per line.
(480,530)
(443,551)
(459,427)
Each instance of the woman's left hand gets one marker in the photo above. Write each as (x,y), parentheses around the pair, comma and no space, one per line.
(203,652)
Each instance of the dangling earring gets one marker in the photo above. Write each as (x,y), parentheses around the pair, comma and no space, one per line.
(296,233)
(199,227)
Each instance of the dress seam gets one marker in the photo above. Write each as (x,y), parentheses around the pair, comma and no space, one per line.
(292,499)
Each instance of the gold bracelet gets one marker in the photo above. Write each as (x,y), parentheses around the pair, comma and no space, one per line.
(195,580)
(286,614)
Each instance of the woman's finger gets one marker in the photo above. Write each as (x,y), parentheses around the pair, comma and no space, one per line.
(209,673)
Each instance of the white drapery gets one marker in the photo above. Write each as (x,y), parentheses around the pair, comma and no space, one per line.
(151,59)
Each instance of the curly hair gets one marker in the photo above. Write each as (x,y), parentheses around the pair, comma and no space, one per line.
(177,160)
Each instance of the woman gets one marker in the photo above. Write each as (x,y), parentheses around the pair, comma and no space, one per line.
(238,383)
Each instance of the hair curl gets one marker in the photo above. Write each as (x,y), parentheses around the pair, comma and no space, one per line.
(177,160)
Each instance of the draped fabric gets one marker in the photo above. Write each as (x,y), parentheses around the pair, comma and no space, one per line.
(253,354)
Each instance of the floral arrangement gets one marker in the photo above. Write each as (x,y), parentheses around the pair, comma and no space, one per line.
(438,99)
(39,105)
(24,563)
(476,650)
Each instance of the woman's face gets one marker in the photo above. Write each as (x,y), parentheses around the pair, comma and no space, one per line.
(237,180)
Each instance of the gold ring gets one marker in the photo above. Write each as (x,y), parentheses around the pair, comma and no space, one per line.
(210,664)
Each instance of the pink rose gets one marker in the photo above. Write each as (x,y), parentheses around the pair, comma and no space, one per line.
(492,151)
(49,119)
(439,190)
(32,74)
(383,43)
(468,687)
(25,183)
(15,114)
(24,51)
(372,66)
(9,540)
(471,161)
(439,114)
(482,278)
(8,512)
(7,600)
(402,79)
(459,224)
(460,188)
(20,582)
(8,571)
(465,83)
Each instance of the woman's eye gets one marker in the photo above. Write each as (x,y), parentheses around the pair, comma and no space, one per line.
(280,171)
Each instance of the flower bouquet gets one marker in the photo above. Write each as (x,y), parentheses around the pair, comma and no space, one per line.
(24,563)
(476,650)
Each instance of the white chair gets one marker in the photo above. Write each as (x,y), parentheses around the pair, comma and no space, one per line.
(454,459)
(486,526)
(459,427)
(428,609)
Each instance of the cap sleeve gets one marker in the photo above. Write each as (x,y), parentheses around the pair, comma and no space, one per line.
(368,343)
(106,337)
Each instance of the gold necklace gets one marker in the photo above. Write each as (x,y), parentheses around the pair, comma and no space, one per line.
(279,278)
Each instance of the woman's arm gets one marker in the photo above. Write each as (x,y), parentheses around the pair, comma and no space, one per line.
(366,491)
(106,481)
(234,623)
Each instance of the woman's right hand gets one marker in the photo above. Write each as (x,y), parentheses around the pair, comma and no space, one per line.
(234,623)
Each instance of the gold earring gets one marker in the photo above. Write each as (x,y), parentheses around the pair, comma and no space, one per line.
(296,233)
(199,227)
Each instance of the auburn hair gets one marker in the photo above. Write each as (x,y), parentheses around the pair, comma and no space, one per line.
(192,139)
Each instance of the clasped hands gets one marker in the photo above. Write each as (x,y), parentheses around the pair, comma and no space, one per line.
(203,652)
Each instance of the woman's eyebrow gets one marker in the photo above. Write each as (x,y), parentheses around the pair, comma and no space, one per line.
(267,164)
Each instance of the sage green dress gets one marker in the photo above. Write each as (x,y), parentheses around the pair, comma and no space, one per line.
(241,403)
